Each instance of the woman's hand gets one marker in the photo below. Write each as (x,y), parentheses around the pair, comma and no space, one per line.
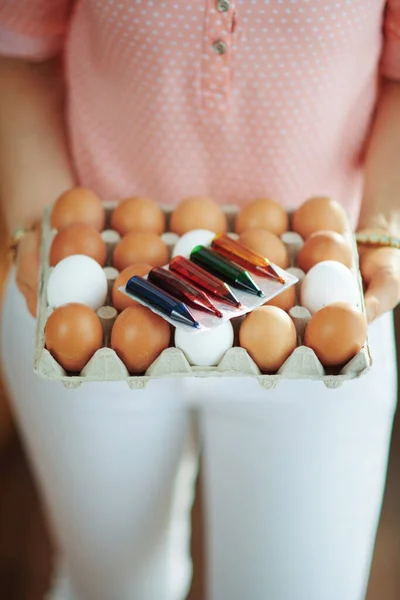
(380,210)
(380,268)
(33,142)
(27,263)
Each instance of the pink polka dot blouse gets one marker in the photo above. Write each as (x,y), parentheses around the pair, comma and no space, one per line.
(235,99)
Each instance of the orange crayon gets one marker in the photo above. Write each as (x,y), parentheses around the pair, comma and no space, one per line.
(243,256)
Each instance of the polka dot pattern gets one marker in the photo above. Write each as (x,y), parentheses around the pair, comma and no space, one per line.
(175,98)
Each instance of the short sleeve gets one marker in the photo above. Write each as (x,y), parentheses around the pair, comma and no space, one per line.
(33,29)
(390,65)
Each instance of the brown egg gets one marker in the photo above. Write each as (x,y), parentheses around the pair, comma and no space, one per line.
(73,334)
(140,247)
(269,336)
(324,245)
(78,205)
(138,214)
(138,337)
(262,213)
(319,214)
(119,300)
(267,244)
(78,238)
(336,333)
(198,213)
(285,300)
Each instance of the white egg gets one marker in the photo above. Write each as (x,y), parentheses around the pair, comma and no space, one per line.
(327,282)
(197,237)
(77,278)
(205,349)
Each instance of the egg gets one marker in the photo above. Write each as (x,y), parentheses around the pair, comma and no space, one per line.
(198,213)
(78,205)
(138,337)
(269,336)
(138,214)
(319,214)
(78,238)
(324,245)
(121,301)
(73,334)
(262,213)
(285,300)
(267,244)
(328,282)
(140,247)
(79,279)
(336,333)
(205,349)
(197,237)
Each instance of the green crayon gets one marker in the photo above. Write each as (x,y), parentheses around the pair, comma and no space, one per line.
(226,270)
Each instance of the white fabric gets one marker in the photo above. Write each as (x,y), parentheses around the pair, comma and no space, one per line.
(293,478)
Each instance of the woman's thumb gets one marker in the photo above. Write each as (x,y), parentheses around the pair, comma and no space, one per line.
(28,269)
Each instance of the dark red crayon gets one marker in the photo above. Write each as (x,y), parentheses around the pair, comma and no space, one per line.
(176,286)
(204,280)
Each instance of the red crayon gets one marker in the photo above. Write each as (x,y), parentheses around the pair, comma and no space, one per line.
(181,289)
(204,280)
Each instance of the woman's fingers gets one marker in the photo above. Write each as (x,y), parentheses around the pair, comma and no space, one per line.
(381,272)
(382,293)
(28,269)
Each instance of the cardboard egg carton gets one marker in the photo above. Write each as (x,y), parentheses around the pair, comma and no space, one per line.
(105,365)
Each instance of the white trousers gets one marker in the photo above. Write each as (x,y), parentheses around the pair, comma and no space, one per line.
(293,478)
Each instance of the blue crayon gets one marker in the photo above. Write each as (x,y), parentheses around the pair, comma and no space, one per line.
(154,297)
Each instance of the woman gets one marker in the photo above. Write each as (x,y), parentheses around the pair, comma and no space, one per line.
(234,99)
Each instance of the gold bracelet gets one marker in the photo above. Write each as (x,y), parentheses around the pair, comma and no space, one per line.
(377,240)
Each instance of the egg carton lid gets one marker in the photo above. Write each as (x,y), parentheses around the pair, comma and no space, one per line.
(106,366)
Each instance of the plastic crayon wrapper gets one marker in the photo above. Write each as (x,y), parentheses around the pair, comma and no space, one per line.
(249,302)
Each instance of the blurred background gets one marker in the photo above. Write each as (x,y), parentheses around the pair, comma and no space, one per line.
(25,548)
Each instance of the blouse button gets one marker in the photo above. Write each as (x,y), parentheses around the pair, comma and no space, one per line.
(220,47)
(223,5)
